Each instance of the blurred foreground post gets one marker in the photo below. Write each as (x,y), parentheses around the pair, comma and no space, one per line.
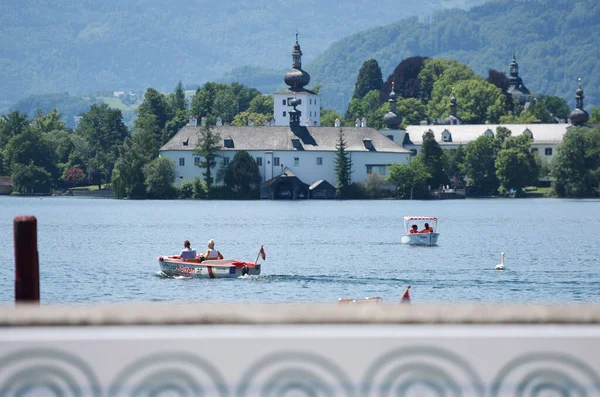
(27,272)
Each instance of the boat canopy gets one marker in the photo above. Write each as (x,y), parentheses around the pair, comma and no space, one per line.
(420,221)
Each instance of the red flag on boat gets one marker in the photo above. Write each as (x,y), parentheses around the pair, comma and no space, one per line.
(405,298)
(262,253)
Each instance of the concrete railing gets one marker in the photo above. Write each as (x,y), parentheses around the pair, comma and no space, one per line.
(299,350)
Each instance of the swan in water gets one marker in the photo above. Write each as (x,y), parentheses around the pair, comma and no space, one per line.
(500,266)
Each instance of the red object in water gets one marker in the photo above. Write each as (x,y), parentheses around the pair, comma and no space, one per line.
(27,271)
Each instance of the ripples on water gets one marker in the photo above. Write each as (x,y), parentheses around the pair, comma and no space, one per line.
(317,251)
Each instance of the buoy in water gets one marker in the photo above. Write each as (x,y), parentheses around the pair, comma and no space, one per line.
(500,266)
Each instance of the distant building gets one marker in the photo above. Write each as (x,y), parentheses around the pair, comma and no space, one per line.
(293,142)
(516,87)
(6,185)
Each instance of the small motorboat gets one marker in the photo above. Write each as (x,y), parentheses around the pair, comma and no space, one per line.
(214,268)
(420,237)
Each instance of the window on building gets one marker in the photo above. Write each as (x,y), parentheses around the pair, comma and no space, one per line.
(197,161)
(369,169)
(226,161)
(319,160)
(413,152)
(382,170)
(283,102)
(276,161)
(259,161)
(283,114)
(181,161)
(296,161)
(534,150)
(548,151)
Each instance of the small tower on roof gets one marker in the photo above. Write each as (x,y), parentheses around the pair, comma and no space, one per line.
(453,118)
(391,119)
(579,116)
(307,102)
(515,83)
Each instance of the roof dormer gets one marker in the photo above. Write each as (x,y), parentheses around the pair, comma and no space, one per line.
(228,143)
(446,136)
(528,133)
(489,133)
(297,144)
(368,144)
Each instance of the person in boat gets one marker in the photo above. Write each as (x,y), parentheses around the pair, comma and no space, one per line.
(187,252)
(211,252)
(413,229)
(427,229)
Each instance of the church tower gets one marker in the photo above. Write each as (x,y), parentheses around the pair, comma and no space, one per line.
(579,116)
(297,99)
(515,84)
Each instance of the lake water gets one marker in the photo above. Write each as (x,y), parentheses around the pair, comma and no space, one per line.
(103,250)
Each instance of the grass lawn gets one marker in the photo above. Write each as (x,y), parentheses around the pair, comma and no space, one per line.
(89,188)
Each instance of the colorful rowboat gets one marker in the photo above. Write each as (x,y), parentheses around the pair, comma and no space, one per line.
(217,268)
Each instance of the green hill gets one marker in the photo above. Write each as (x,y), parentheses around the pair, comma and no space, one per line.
(556,41)
(86,46)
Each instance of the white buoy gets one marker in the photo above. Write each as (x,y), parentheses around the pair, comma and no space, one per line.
(500,266)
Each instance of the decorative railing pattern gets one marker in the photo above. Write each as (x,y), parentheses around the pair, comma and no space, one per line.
(301,360)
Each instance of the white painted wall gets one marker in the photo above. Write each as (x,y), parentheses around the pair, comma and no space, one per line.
(310,108)
(307,168)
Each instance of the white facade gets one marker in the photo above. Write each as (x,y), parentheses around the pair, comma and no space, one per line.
(309,106)
(309,166)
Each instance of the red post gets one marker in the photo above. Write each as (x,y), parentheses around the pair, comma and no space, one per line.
(27,271)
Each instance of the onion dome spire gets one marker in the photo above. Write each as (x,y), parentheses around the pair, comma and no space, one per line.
(391,119)
(296,78)
(579,116)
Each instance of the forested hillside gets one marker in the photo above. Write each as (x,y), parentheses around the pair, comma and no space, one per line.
(556,41)
(84,46)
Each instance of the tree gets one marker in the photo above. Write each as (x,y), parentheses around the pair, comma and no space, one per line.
(448,70)
(262,104)
(30,147)
(374,184)
(173,126)
(208,147)
(595,115)
(29,178)
(432,158)
(478,101)
(480,165)
(159,177)
(343,166)
(409,179)
(225,105)
(369,79)
(412,111)
(157,105)
(367,107)
(576,167)
(74,177)
(103,128)
(11,125)
(454,166)
(177,99)
(242,119)
(328,117)
(406,79)
(516,166)
(48,123)
(242,173)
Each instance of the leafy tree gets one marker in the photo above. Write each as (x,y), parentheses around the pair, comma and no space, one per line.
(243,96)
(595,115)
(64,104)
(343,166)
(225,105)
(103,128)
(208,147)
(412,111)
(328,117)
(432,158)
(406,79)
(242,119)
(369,79)
(556,106)
(262,104)
(160,176)
(157,105)
(576,167)
(516,166)
(186,190)
(177,99)
(409,179)
(29,178)
(478,101)
(454,166)
(74,177)
(11,125)
(447,70)
(242,173)
(173,126)
(480,165)
(374,184)
(48,123)
(366,107)
(500,80)
(30,147)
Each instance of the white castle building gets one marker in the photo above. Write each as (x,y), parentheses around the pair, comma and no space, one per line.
(295,142)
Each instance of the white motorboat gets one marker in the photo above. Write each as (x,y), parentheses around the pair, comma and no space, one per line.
(421,235)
